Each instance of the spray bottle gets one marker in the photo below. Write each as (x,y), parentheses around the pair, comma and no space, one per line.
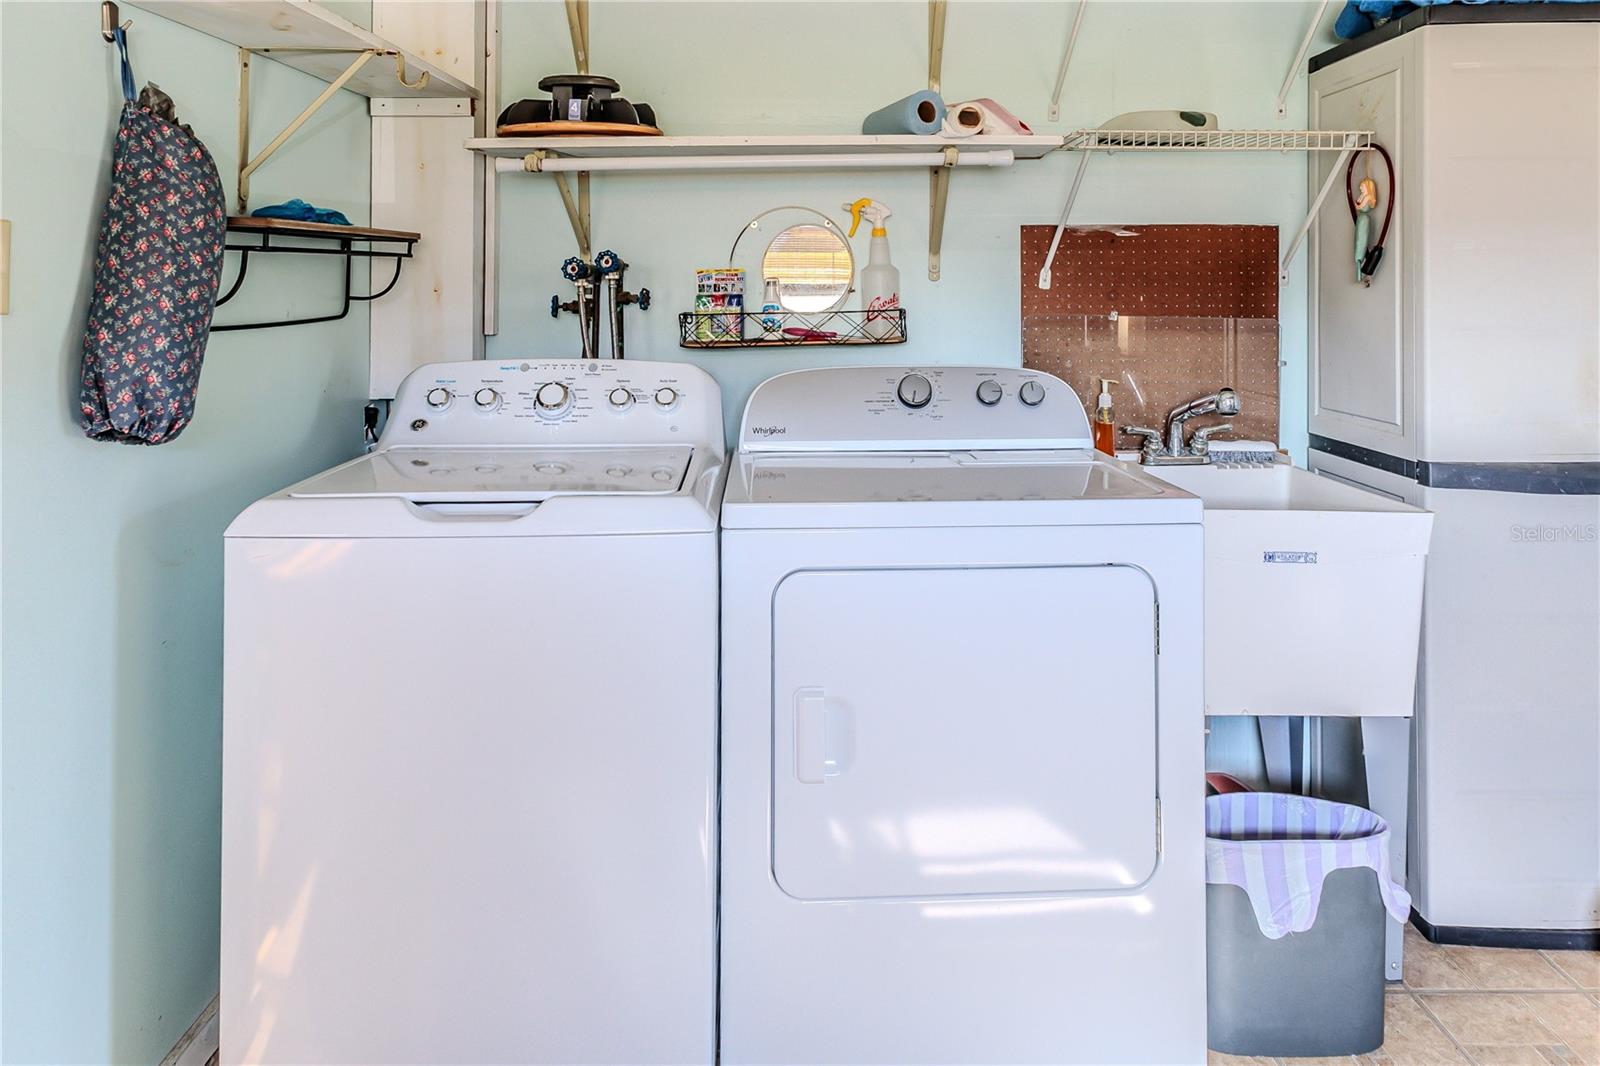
(880,281)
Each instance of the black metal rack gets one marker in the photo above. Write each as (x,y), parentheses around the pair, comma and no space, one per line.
(765,329)
(343,241)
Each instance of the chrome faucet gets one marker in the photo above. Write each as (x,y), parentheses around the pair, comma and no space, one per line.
(1169,448)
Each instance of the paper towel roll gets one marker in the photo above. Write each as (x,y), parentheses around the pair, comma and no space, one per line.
(983,115)
(921,112)
(963,120)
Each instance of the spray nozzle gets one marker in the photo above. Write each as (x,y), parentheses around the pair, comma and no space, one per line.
(873,211)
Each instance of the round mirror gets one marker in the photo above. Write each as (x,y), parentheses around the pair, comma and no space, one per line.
(813,267)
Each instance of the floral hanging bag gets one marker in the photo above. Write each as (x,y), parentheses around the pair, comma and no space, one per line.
(157,267)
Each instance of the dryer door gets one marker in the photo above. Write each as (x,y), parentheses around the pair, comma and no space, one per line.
(964,731)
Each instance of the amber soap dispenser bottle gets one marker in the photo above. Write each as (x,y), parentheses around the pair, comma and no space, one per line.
(1105,421)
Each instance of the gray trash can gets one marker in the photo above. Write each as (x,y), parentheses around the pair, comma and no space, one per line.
(1298,894)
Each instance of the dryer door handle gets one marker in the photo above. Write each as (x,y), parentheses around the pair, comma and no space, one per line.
(824,736)
(810,735)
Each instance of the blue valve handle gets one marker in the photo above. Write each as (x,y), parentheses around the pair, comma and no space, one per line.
(575,269)
(608,262)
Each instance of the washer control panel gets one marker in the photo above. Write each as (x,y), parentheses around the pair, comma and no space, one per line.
(542,401)
(901,408)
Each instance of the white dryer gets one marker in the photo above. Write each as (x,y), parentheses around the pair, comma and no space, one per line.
(962,768)
(469,730)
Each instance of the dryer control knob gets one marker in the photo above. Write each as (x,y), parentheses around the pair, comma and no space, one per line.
(486,398)
(989,392)
(439,398)
(666,397)
(1031,393)
(620,398)
(914,391)
(552,398)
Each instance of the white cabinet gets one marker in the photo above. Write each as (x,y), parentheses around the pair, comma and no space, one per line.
(1487,291)
(1361,381)
(1473,365)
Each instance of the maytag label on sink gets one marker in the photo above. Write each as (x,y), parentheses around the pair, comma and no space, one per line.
(1289,557)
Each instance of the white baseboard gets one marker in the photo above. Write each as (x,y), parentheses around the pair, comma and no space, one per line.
(196,1046)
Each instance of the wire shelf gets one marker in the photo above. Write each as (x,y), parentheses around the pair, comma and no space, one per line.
(1217,140)
(788,329)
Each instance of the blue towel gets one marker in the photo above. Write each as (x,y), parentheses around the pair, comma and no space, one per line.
(299,211)
(1359,16)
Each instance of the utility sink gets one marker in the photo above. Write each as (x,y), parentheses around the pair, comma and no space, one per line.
(1313,600)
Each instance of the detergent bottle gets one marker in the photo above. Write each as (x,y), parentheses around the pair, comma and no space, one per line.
(880,281)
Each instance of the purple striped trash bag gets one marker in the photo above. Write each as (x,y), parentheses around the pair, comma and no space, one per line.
(1279,847)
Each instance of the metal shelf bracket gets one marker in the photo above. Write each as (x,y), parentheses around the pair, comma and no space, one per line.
(1066,59)
(578,213)
(577,207)
(1351,143)
(938,199)
(248,168)
(578,27)
(1300,58)
(1061,224)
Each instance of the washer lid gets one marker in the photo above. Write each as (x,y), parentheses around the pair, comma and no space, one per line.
(491,475)
(947,476)
(862,490)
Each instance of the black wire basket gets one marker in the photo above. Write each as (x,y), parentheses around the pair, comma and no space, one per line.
(789,329)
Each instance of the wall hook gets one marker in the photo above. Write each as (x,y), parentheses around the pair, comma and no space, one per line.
(400,73)
(109,20)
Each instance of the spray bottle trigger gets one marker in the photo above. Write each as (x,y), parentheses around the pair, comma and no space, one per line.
(855,214)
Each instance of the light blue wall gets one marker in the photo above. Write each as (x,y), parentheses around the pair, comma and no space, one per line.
(808,67)
(112,582)
(110,604)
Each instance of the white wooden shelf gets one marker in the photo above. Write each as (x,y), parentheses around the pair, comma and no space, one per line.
(310,38)
(558,156)
(734,150)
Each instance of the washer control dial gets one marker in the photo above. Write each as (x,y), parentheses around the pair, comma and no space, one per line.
(620,398)
(666,397)
(989,392)
(1031,393)
(915,391)
(552,399)
(439,398)
(486,398)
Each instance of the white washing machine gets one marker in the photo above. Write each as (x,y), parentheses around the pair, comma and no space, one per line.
(962,731)
(470,730)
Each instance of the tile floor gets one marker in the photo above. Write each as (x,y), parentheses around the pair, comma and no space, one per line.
(1482,1006)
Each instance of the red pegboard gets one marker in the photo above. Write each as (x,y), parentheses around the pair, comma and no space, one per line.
(1168,312)
(1189,271)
